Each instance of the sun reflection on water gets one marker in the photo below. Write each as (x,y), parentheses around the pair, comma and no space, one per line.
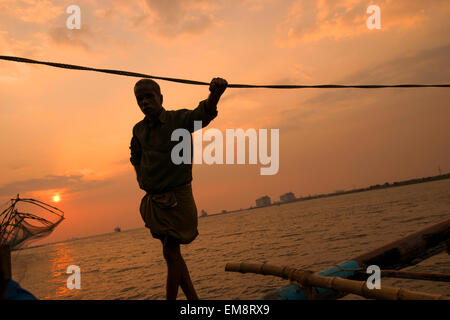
(63,258)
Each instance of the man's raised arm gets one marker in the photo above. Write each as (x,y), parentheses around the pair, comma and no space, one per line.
(217,87)
(207,109)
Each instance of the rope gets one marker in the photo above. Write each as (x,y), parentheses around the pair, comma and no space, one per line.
(310,291)
(342,269)
(141,75)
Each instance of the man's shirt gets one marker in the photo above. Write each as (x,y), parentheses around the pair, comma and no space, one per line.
(151,148)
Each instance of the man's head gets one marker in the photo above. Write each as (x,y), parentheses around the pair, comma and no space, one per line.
(149,97)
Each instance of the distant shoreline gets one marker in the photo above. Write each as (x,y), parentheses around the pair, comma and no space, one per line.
(343,192)
(337,193)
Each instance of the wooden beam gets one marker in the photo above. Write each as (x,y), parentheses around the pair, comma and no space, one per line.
(308,280)
(409,250)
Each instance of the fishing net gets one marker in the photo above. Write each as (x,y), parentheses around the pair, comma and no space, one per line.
(18,226)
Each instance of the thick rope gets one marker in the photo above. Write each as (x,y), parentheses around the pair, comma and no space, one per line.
(141,75)
(342,269)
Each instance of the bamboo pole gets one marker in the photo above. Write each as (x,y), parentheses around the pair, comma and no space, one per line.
(308,279)
(409,250)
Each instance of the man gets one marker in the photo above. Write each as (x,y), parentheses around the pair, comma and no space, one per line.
(168,208)
(9,289)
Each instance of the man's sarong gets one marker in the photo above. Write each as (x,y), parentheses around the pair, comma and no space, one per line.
(173,213)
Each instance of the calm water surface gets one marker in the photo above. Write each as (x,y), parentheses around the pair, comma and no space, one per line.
(313,234)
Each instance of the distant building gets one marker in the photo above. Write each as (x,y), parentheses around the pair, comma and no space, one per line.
(263,201)
(204,214)
(287,197)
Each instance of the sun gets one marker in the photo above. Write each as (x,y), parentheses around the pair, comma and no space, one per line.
(56,198)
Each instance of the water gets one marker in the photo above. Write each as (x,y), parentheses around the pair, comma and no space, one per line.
(313,234)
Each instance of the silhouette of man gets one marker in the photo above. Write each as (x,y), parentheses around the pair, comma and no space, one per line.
(168,207)
(9,289)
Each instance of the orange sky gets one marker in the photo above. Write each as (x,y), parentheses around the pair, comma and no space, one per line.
(68,132)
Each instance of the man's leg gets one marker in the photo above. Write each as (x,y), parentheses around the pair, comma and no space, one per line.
(5,269)
(177,271)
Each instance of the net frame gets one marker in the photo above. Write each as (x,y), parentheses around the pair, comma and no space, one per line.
(18,228)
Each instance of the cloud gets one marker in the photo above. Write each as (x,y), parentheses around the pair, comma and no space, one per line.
(254,5)
(173,18)
(430,65)
(72,183)
(310,21)
(34,27)
(104,23)
(11,45)
(422,67)
(121,11)
(75,38)
(15,72)
(38,11)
